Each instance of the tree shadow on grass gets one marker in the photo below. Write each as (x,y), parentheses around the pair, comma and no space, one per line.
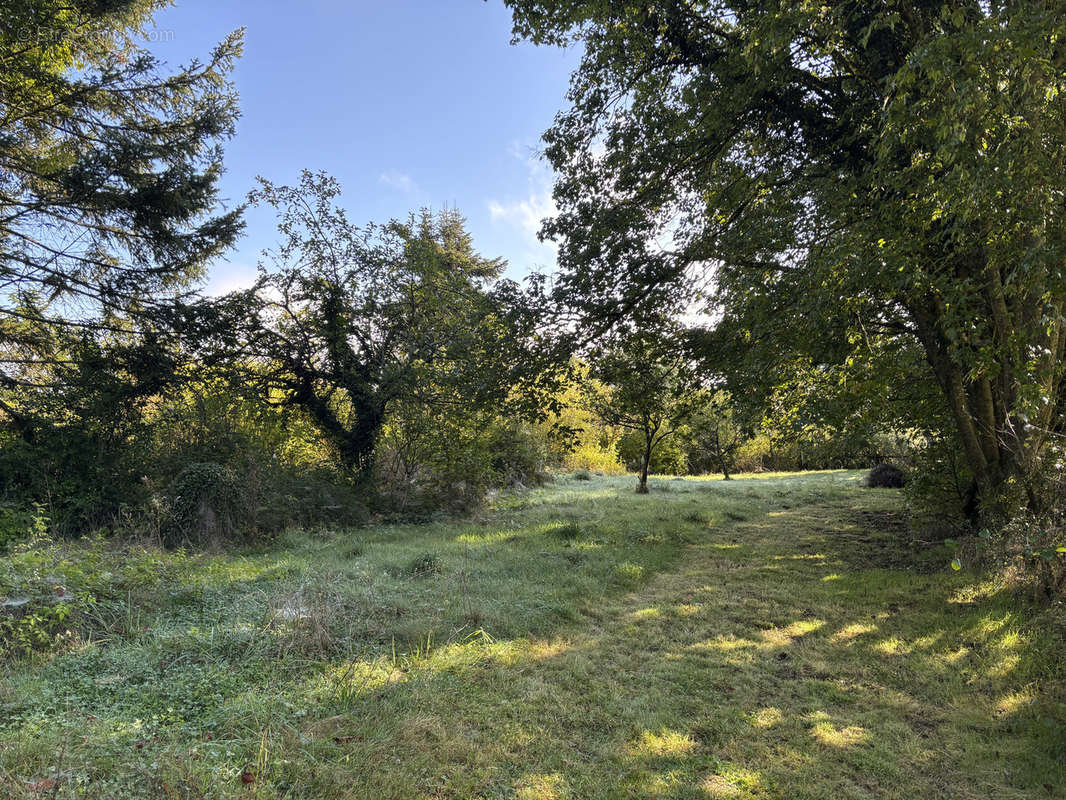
(736,677)
(773,662)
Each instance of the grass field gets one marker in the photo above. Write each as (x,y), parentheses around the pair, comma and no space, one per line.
(769,637)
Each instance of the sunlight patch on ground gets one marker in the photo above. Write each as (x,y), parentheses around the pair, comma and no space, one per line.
(494,537)
(1013,702)
(664,744)
(896,646)
(782,637)
(731,780)
(851,632)
(646,613)
(824,731)
(1004,666)
(976,592)
(551,786)
(724,644)
(718,787)
(539,651)
(767,717)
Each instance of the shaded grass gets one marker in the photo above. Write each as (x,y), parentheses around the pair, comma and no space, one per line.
(770,637)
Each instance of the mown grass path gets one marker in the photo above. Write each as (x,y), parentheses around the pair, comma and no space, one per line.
(792,646)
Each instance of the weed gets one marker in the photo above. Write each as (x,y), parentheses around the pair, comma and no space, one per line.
(425,565)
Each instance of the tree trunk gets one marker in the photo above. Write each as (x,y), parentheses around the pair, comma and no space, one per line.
(360,443)
(985,408)
(355,443)
(645,462)
(721,454)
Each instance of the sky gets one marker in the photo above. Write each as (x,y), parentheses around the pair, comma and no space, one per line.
(409,103)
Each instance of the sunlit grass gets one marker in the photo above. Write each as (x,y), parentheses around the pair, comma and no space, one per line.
(755,638)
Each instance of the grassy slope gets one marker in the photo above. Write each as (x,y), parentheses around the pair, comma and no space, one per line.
(759,638)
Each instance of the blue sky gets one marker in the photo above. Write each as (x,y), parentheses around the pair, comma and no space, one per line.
(408,103)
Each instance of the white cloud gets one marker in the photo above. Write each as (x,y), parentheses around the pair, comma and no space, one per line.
(400,181)
(527,214)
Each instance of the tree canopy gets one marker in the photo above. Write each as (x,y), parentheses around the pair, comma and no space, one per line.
(109,205)
(847,177)
(346,321)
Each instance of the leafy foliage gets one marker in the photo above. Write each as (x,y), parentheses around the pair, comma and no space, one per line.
(60,594)
(854,172)
(886,476)
(643,382)
(351,321)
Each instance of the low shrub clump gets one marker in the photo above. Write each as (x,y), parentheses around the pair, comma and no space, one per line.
(425,565)
(1032,547)
(18,524)
(57,593)
(886,476)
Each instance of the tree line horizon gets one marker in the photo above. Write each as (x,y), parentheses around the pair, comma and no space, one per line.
(868,198)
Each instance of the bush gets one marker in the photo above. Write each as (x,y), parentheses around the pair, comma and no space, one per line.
(445,461)
(56,593)
(886,476)
(17,524)
(204,505)
(666,459)
(1032,549)
(590,457)
(1025,532)
(582,475)
(753,455)
(425,565)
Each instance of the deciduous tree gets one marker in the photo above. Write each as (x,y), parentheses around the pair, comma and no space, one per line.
(643,381)
(347,320)
(855,177)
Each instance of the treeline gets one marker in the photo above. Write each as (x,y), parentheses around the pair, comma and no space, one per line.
(873,224)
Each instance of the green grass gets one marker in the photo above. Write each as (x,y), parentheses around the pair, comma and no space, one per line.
(770,637)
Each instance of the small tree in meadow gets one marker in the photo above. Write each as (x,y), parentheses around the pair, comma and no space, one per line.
(643,382)
(716,432)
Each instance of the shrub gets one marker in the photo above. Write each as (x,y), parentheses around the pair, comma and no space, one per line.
(1025,532)
(1033,547)
(886,476)
(18,524)
(445,461)
(425,565)
(753,455)
(590,457)
(204,506)
(667,459)
(582,475)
